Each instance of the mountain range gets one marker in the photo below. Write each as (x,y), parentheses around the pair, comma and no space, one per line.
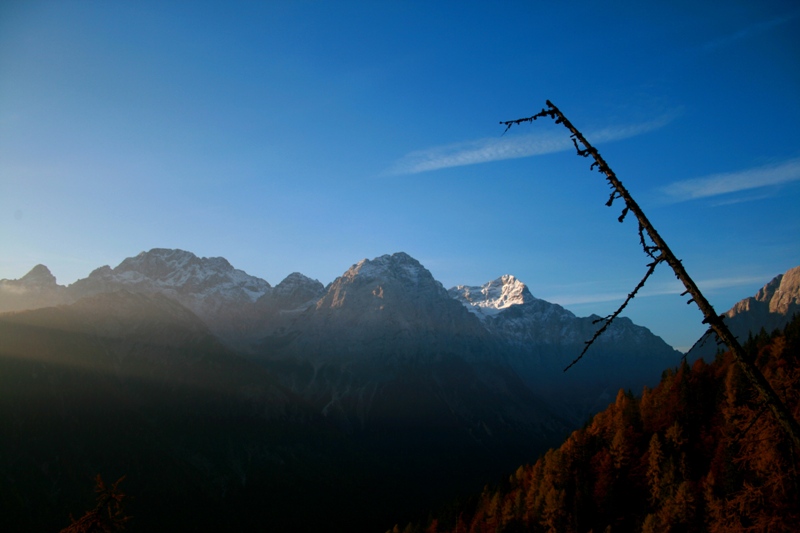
(251,391)
(390,305)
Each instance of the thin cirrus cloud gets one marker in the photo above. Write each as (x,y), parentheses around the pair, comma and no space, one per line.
(497,149)
(726,183)
(670,288)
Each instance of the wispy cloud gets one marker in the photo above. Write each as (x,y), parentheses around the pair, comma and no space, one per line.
(719,184)
(511,147)
(753,29)
(672,287)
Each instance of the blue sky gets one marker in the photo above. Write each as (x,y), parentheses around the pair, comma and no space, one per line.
(305,136)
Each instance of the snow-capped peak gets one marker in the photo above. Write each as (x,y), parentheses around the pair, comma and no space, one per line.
(494,296)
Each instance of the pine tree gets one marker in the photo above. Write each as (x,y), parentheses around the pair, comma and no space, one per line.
(654,468)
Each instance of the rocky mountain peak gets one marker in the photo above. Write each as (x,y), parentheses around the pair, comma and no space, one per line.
(387,308)
(385,280)
(297,286)
(788,293)
(39,276)
(159,263)
(494,296)
(780,296)
(37,288)
(398,266)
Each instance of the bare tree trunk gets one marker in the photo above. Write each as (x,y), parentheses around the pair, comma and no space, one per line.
(715,321)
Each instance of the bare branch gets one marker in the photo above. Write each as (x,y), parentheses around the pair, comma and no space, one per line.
(543,113)
(714,320)
(610,318)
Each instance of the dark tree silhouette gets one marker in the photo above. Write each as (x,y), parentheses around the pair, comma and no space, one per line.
(657,250)
(107,516)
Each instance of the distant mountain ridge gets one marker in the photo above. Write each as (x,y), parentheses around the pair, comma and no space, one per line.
(176,273)
(212,287)
(772,307)
(390,303)
(227,299)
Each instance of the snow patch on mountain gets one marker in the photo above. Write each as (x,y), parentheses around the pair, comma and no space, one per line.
(493,297)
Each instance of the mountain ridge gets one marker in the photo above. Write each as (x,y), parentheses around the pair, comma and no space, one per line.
(391,304)
(212,285)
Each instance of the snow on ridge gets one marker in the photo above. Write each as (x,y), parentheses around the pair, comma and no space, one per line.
(492,297)
(178,270)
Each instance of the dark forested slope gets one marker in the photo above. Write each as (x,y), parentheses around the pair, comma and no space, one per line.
(135,385)
(696,453)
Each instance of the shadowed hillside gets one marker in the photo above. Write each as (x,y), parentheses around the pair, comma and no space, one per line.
(696,453)
(135,385)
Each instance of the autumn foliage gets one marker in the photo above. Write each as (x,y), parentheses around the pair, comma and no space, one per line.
(696,453)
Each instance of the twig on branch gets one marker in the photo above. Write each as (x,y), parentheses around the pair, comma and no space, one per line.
(610,318)
(659,246)
(703,338)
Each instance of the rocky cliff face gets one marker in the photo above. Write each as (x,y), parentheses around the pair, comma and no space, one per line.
(781,296)
(772,307)
(276,310)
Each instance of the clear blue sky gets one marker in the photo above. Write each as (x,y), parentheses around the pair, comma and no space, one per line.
(305,136)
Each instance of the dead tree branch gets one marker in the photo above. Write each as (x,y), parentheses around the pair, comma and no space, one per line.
(659,246)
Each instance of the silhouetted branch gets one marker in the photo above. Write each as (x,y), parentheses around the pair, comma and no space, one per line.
(610,318)
(703,338)
(542,113)
(715,321)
